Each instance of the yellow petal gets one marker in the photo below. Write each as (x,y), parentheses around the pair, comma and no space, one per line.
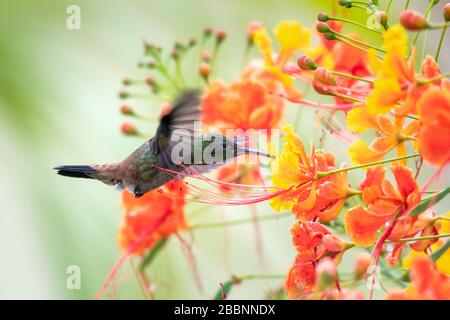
(292,35)
(360,153)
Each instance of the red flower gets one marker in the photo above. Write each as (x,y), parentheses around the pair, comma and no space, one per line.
(140,214)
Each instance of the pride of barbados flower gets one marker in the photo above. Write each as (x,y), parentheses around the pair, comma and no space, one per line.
(389,107)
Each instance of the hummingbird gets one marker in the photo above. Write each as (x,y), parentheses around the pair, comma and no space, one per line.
(172,153)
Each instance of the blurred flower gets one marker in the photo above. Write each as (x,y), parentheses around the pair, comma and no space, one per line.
(427,283)
(140,213)
(362,263)
(434,135)
(244,104)
(313,242)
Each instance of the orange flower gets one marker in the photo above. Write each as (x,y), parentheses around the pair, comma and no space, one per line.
(245,104)
(307,196)
(434,134)
(313,242)
(140,214)
(330,193)
(391,134)
(382,201)
(427,283)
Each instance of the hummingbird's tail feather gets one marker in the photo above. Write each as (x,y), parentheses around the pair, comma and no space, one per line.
(86,172)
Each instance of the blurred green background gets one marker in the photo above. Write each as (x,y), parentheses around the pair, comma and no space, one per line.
(59,105)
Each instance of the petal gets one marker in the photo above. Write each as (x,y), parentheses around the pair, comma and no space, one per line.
(362,226)
(360,153)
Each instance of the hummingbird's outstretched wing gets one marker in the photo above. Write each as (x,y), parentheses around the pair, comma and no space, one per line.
(177,127)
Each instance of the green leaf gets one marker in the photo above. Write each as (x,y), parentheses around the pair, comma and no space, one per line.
(151,255)
(227,286)
(436,255)
(427,202)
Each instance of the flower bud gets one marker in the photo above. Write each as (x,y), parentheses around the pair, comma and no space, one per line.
(207,32)
(382,18)
(204,69)
(322,17)
(123,94)
(326,274)
(164,109)
(126,82)
(220,35)
(205,55)
(150,81)
(330,36)
(192,42)
(446,12)
(322,27)
(345,3)
(126,110)
(306,63)
(128,129)
(252,27)
(175,54)
(362,263)
(413,20)
(324,82)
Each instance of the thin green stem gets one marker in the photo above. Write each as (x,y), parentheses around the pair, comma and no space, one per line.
(358,47)
(443,218)
(357,41)
(441,40)
(328,173)
(259,276)
(427,13)
(239,221)
(346,75)
(444,235)
(407,4)
(356,24)
(388,7)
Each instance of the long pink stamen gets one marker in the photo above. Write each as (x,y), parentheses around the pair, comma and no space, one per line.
(130,250)
(342,107)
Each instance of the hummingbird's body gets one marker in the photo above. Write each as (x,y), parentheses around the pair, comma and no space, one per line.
(154,163)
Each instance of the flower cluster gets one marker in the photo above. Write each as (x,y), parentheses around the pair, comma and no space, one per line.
(389,107)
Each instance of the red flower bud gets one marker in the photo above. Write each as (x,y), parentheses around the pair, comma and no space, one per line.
(446,11)
(413,20)
(324,82)
(126,109)
(128,129)
(123,94)
(221,35)
(322,17)
(322,27)
(382,18)
(150,81)
(205,55)
(204,69)
(306,63)
(252,27)
(207,31)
